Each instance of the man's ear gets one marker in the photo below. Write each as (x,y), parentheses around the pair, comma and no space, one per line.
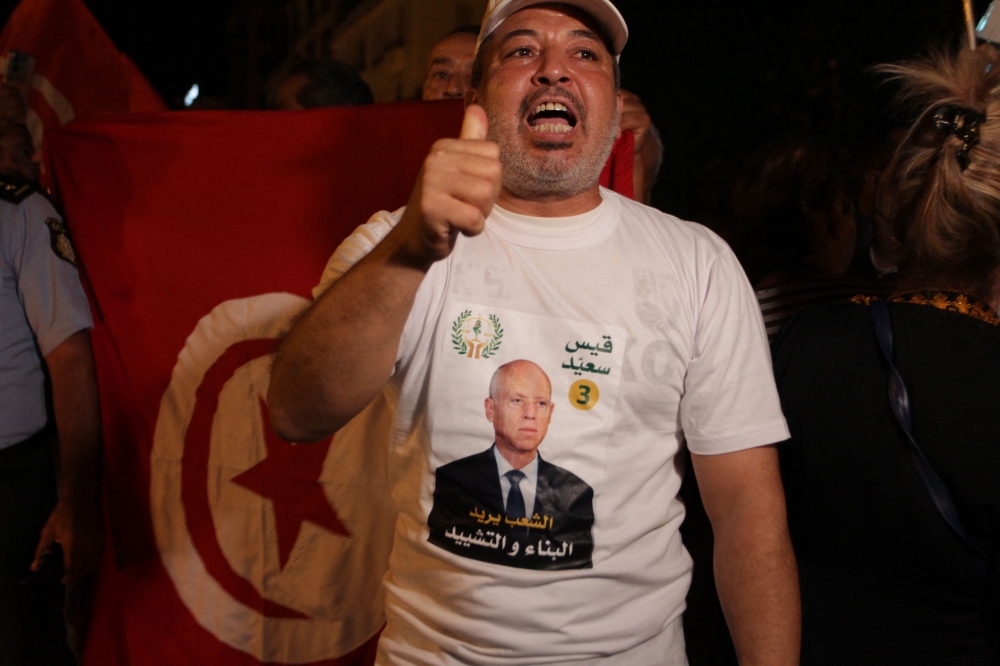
(489,409)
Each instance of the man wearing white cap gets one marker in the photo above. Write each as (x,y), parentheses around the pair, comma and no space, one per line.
(649,332)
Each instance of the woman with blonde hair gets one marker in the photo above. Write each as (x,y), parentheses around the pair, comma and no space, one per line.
(893,470)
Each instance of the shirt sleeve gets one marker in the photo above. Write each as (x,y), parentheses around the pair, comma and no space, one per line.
(48,284)
(730,401)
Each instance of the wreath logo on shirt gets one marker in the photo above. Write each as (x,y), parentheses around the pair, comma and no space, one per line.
(476,336)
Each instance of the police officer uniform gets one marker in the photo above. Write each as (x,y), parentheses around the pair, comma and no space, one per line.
(41,305)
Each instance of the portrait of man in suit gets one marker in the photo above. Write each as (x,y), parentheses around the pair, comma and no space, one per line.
(506,505)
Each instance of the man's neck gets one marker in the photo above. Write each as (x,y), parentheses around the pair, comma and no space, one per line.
(575,205)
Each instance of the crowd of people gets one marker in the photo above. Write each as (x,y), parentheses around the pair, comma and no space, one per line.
(827,368)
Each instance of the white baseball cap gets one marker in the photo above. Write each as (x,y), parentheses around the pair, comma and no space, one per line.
(602,11)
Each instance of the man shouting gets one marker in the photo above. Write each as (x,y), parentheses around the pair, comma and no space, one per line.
(646,326)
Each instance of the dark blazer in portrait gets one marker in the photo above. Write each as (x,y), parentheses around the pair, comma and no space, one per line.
(469,518)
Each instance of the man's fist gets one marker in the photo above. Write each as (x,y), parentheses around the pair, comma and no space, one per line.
(455,192)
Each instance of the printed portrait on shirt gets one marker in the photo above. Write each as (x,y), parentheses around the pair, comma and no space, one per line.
(506,504)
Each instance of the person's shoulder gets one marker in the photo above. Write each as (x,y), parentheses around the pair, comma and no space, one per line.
(462,466)
(560,477)
(26,211)
(831,317)
(823,331)
(637,214)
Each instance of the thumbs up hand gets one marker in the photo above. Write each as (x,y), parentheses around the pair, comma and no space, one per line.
(455,192)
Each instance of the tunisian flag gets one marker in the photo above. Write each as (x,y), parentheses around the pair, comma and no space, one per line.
(200,236)
(79,74)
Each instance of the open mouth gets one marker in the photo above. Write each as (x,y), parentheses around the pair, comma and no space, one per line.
(553,117)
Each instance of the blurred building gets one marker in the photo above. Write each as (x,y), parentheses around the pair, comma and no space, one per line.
(258,34)
(387,41)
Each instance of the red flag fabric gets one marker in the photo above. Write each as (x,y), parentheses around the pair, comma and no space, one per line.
(200,236)
(618,172)
(79,73)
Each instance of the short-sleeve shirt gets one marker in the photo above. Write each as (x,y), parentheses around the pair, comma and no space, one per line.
(41,305)
(651,338)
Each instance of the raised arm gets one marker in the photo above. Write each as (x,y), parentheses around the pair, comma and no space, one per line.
(755,568)
(341,352)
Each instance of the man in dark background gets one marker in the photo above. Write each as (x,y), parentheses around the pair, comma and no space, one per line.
(312,84)
(449,65)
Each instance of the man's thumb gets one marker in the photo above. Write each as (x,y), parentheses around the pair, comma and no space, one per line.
(475,126)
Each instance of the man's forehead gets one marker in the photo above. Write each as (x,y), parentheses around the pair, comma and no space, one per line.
(459,44)
(525,381)
(539,20)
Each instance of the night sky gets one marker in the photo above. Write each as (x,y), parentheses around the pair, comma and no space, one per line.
(719,78)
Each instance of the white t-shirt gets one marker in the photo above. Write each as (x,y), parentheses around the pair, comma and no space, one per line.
(41,305)
(651,336)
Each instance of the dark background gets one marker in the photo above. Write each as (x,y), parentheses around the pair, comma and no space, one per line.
(719,78)
(722,78)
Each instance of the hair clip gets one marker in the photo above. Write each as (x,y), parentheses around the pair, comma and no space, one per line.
(963,123)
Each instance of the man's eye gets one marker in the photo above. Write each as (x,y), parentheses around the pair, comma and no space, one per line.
(588,55)
(521,52)
(441,75)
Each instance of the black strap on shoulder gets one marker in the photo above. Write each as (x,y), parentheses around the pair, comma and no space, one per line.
(899,400)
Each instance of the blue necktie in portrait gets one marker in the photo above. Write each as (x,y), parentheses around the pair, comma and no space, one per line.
(515,500)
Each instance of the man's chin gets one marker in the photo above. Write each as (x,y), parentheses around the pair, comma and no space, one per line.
(555,157)
(550,146)
(527,448)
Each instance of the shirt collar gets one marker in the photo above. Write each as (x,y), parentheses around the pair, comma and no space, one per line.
(530,470)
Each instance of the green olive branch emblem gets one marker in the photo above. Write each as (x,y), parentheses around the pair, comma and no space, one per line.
(496,340)
(457,339)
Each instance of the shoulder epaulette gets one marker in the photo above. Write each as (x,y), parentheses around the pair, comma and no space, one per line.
(15,190)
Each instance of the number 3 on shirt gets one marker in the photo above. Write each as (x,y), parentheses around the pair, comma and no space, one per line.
(584,395)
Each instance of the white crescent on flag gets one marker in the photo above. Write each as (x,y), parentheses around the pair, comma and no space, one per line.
(277,549)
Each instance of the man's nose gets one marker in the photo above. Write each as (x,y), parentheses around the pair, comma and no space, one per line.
(553,69)
(454,89)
